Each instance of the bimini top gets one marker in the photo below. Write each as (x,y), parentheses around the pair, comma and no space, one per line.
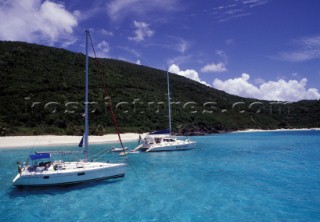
(40,156)
(166,131)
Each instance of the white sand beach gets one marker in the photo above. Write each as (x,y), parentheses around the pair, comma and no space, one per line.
(51,140)
(260,130)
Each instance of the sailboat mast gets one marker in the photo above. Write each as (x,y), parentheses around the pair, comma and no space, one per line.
(169,105)
(86,124)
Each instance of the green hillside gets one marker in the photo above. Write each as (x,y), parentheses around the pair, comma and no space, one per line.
(42,92)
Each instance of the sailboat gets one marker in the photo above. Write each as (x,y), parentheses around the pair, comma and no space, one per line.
(50,172)
(163,140)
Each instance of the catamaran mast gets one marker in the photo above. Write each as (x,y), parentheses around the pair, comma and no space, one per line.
(169,105)
(86,124)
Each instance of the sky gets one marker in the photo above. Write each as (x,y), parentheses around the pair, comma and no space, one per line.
(263,49)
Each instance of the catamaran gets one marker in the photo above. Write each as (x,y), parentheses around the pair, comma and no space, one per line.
(51,172)
(163,140)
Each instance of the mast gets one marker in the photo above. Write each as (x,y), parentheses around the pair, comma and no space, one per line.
(169,105)
(86,121)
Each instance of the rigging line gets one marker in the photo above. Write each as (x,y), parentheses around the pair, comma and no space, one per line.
(107,94)
(38,138)
(100,156)
(134,171)
(36,142)
(101,153)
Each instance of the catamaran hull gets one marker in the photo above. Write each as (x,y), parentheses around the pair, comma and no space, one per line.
(175,147)
(61,177)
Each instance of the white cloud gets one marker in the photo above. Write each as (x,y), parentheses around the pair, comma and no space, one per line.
(307,48)
(280,90)
(189,73)
(181,46)
(138,62)
(223,55)
(235,9)
(254,3)
(77,13)
(103,49)
(219,67)
(175,43)
(36,21)
(259,81)
(312,93)
(230,41)
(300,56)
(118,9)
(142,31)
(106,33)
(238,86)
(291,90)
(179,59)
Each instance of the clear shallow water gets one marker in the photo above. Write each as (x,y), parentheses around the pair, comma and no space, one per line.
(269,176)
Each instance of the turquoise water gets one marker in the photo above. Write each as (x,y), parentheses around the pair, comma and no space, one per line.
(269,176)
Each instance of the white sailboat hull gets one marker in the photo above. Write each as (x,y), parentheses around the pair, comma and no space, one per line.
(175,145)
(172,146)
(69,173)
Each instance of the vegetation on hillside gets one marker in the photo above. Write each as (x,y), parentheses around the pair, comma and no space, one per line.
(42,92)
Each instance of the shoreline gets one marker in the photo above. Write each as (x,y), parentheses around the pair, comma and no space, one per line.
(53,140)
(9,142)
(275,130)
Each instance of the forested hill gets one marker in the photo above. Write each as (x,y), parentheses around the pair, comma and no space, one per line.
(42,92)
